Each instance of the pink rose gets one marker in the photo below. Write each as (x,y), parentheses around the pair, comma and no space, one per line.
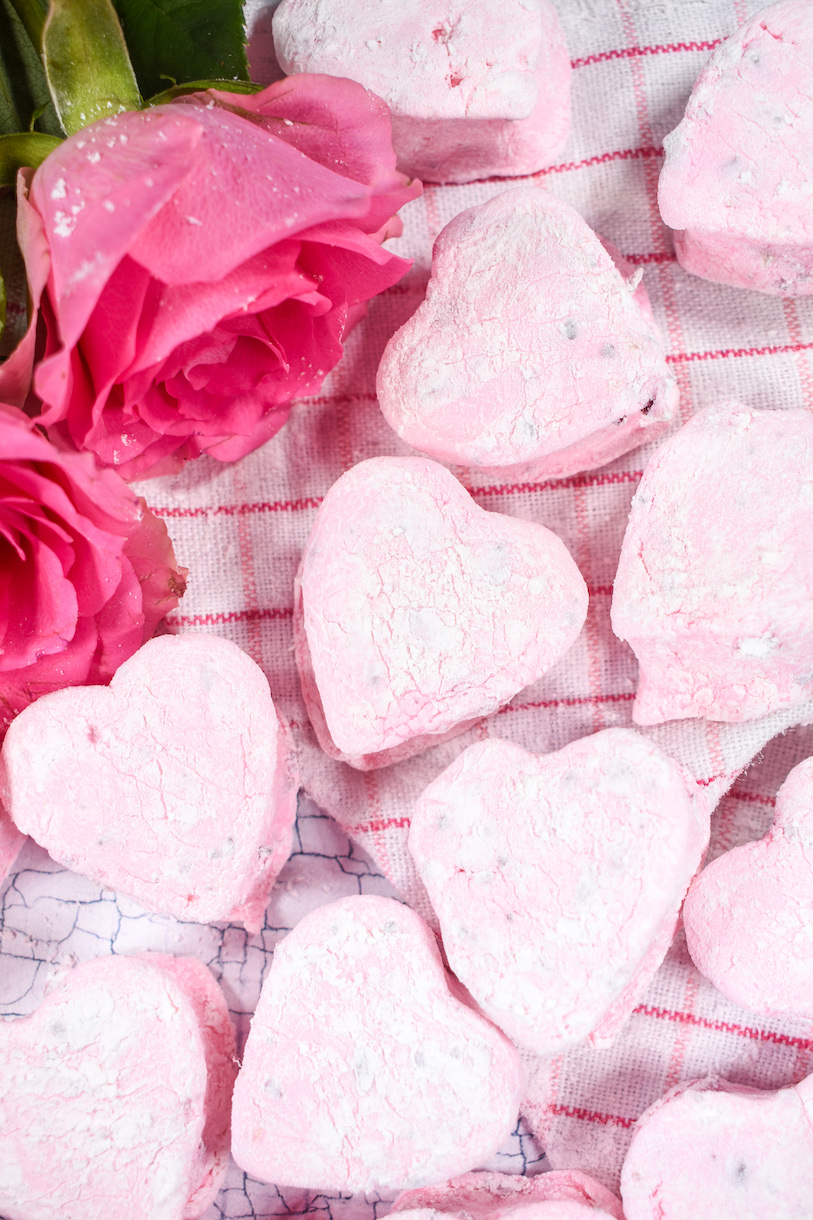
(86,570)
(195,267)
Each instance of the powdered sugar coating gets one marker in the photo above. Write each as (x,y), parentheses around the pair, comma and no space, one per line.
(11,840)
(116,1095)
(715,578)
(553,877)
(176,784)
(362,1070)
(720,1151)
(464,103)
(557,1195)
(530,355)
(736,182)
(420,612)
(749,915)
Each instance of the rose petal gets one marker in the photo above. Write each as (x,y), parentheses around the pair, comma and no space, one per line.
(247,191)
(341,124)
(98,190)
(347,270)
(160,455)
(63,380)
(110,338)
(232,448)
(120,624)
(19,687)
(174,313)
(38,608)
(73,602)
(331,119)
(152,557)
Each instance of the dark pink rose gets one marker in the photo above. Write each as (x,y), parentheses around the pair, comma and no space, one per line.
(196,266)
(86,570)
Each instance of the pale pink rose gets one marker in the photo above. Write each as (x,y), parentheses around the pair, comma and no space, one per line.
(196,266)
(86,570)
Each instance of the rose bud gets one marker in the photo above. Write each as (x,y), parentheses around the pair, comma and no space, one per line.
(196,266)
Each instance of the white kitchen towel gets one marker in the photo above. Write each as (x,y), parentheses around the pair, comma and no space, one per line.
(241,528)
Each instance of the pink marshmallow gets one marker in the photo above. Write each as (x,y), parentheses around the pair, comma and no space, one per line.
(115,1098)
(715,578)
(533,355)
(720,1151)
(560,1195)
(557,879)
(363,1070)
(749,915)
(176,784)
(464,104)
(736,180)
(417,613)
(10,843)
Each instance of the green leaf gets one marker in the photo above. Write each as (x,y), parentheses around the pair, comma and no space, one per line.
(184,40)
(10,118)
(23,87)
(26,148)
(86,63)
(198,86)
(32,14)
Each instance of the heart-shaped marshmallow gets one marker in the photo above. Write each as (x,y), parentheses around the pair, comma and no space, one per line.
(715,578)
(723,1152)
(557,1195)
(749,915)
(115,1098)
(417,612)
(558,879)
(464,104)
(530,355)
(362,1069)
(175,784)
(10,843)
(736,180)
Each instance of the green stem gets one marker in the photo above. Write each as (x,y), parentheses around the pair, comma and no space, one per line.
(32,13)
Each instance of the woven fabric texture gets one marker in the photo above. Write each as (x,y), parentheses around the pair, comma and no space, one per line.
(240,529)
